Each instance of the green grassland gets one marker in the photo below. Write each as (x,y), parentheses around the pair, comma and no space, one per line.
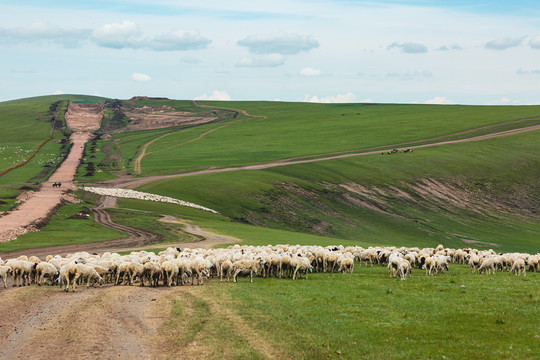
(276,131)
(309,197)
(26,124)
(486,192)
(495,181)
(366,315)
(285,130)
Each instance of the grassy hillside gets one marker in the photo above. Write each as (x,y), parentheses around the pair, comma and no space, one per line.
(484,193)
(285,130)
(27,126)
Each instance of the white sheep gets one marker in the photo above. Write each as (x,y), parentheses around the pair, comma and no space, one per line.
(22,271)
(184,269)
(532,262)
(430,265)
(45,270)
(346,264)
(135,270)
(169,272)
(399,266)
(102,271)
(442,263)
(198,270)
(245,267)
(5,271)
(86,272)
(122,269)
(303,264)
(488,265)
(474,262)
(67,276)
(225,268)
(151,273)
(518,267)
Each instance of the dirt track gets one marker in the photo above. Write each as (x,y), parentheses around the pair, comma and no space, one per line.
(82,119)
(123,322)
(136,182)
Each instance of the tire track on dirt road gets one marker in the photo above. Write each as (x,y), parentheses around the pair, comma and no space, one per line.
(138,240)
(120,322)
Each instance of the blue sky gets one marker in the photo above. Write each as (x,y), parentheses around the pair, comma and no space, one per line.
(416,51)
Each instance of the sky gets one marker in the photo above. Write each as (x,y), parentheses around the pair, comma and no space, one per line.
(328,51)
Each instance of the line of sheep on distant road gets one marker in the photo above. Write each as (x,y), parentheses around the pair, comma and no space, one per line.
(174,267)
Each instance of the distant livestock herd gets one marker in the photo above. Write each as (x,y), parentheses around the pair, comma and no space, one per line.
(174,267)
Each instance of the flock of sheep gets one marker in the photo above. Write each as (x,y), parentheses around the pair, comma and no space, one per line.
(178,267)
(139,195)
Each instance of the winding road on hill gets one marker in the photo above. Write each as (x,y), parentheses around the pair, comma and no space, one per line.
(130,182)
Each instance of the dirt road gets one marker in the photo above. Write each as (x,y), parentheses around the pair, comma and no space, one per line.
(82,119)
(43,201)
(132,183)
(126,322)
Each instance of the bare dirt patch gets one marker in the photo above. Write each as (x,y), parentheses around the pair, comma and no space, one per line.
(147,117)
(112,322)
(84,117)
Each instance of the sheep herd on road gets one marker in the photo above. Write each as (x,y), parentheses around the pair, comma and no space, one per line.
(174,266)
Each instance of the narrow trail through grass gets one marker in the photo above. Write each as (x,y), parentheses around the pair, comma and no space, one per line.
(142,153)
(133,183)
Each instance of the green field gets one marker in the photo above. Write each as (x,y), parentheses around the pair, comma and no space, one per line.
(483,194)
(285,130)
(490,188)
(27,124)
(366,315)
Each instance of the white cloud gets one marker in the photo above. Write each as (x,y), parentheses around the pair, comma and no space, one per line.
(178,40)
(128,35)
(503,43)
(341,98)
(216,95)
(58,92)
(409,47)
(309,71)
(117,36)
(454,46)
(40,32)
(286,44)
(502,101)
(535,42)
(521,71)
(439,100)
(140,77)
(507,101)
(270,60)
